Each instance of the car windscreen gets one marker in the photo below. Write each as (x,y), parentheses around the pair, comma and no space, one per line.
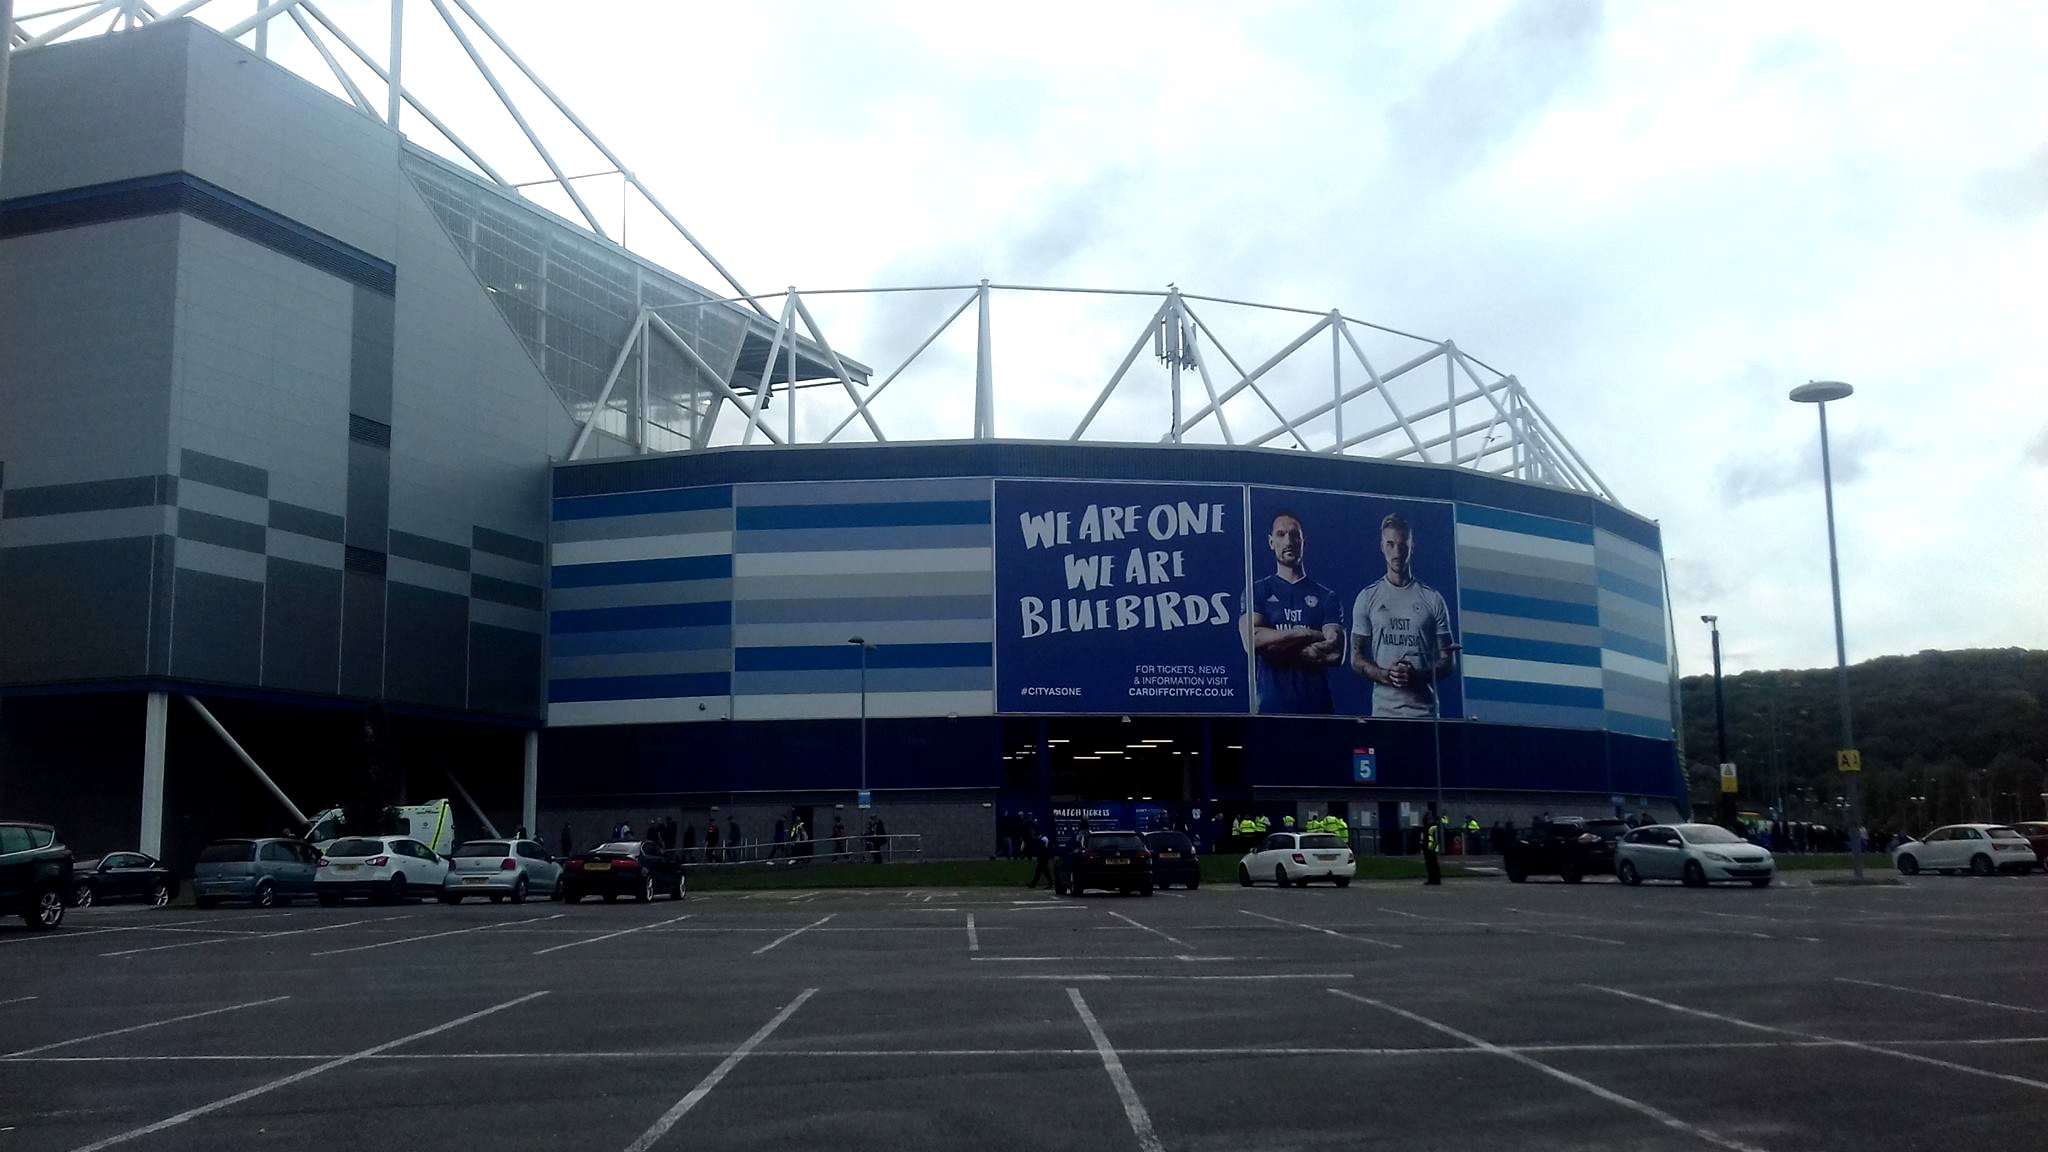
(1606,829)
(355,846)
(484,848)
(1321,840)
(1708,834)
(619,847)
(228,852)
(1118,841)
(2003,834)
(1171,841)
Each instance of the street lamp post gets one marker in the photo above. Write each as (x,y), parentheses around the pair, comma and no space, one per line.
(1436,724)
(1818,393)
(1726,805)
(865,648)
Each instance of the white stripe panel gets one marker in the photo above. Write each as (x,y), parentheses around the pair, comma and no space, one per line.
(861,563)
(1521,545)
(846,705)
(1610,544)
(1629,665)
(1532,672)
(73,527)
(642,548)
(583,713)
(200,556)
(898,632)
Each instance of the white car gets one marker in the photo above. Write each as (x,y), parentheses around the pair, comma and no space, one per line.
(1297,858)
(1982,848)
(1694,854)
(501,869)
(384,868)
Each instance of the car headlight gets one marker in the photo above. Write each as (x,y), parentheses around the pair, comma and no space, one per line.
(1719,857)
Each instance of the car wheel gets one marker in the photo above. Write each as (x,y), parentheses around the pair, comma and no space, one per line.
(81,896)
(1074,886)
(518,891)
(561,886)
(1517,875)
(571,895)
(1981,865)
(1627,873)
(265,897)
(646,892)
(1343,881)
(1194,884)
(1760,882)
(1280,875)
(46,912)
(1244,876)
(1570,873)
(1908,865)
(397,895)
(1695,876)
(1145,891)
(330,899)
(159,894)
(675,891)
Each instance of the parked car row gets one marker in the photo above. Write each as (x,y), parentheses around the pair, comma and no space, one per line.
(1983,849)
(387,869)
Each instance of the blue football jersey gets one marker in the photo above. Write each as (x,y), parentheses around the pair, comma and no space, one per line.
(1302,604)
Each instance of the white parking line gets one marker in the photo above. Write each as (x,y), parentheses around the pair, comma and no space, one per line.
(1317,928)
(769,946)
(610,935)
(1100,976)
(681,1107)
(16,1000)
(1515,928)
(140,1027)
(1944,996)
(1134,1108)
(294,1078)
(1858,1045)
(436,935)
(258,936)
(1613,1097)
(973,941)
(1173,940)
(1181,957)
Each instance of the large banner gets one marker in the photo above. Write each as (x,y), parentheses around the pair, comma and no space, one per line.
(1352,606)
(1114,597)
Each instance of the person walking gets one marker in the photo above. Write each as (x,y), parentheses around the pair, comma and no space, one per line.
(732,838)
(838,837)
(1432,846)
(1041,851)
(711,840)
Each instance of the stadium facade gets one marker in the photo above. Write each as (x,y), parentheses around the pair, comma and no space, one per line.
(318,482)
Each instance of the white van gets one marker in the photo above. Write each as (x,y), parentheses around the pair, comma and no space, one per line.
(432,824)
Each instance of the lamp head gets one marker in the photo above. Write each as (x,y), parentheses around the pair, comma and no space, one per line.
(1821,391)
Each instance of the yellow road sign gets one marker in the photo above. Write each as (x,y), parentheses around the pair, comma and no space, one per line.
(1848,760)
(1728,781)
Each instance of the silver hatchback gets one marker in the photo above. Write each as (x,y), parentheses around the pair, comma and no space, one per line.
(501,870)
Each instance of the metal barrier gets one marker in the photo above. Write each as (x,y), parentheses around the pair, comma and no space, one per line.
(907,846)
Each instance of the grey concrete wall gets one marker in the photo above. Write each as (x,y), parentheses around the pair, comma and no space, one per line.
(129,120)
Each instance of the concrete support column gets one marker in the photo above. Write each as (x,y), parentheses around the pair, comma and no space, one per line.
(151,840)
(529,785)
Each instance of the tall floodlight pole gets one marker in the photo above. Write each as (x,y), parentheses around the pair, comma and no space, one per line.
(862,643)
(1727,801)
(1436,726)
(1818,393)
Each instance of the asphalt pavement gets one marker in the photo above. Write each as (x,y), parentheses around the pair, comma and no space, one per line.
(1477,1015)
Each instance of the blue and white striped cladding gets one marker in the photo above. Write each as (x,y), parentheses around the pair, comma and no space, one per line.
(1635,662)
(1529,607)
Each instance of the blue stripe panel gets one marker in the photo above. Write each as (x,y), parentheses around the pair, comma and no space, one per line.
(848,656)
(1630,724)
(1635,590)
(1520,692)
(1628,645)
(640,687)
(847,680)
(831,609)
(1529,607)
(909,515)
(643,503)
(1545,651)
(644,616)
(642,571)
(980,535)
(1506,712)
(715,637)
(1524,523)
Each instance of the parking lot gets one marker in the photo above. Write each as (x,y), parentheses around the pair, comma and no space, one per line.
(1476,1015)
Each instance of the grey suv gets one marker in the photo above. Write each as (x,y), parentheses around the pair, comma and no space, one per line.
(265,872)
(35,874)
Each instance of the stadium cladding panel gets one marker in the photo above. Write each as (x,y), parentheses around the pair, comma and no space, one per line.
(1059,628)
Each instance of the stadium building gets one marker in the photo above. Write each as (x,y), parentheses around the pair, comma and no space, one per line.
(334,467)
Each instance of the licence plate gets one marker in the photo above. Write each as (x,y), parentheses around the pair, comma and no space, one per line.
(476,879)
(597,867)
(346,867)
(1116,861)
(1326,856)
(1169,855)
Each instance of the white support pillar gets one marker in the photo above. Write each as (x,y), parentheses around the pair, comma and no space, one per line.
(1337,376)
(395,95)
(151,841)
(262,48)
(529,785)
(984,372)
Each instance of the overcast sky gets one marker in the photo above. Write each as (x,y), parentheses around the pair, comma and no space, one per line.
(1658,217)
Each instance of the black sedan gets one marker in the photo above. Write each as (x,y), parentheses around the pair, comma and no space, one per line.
(636,868)
(1174,860)
(122,876)
(1117,860)
(1569,847)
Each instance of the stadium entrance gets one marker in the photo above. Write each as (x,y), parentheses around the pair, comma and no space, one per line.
(1180,762)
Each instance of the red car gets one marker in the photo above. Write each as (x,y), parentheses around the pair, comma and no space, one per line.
(2036,832)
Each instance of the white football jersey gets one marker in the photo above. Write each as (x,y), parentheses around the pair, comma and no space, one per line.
(1399,622)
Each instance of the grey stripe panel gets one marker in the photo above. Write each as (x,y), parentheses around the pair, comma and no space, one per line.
(890,631)
(370,355)
(223,502)
(223,473)
(1543,567)
(861,492)
(1631,617)
(306,549)
(369,498)
(77,527)
(1625,693)
(518,571)
(1545,715)
(848,680)
(1632,568)
(236,562)
(718,636)
(1610,548)
(217,625)
(305,521)
(402,569)
(90,496)
(640,664)
(857,539)
(635,527)
(428,550)
(507,545)
(863,608)
(1567,591)
(195,525)
(504,592)
(163,566)
(876,584)
(640,595)
(1489,624)
(506,616)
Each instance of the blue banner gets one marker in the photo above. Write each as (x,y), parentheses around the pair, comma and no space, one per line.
(1119,597)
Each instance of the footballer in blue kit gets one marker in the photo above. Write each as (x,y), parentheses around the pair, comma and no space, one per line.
(1295,627)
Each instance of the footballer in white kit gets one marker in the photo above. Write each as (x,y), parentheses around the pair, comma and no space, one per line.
(1400,631)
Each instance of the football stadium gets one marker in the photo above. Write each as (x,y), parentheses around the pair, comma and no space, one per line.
(339,466)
